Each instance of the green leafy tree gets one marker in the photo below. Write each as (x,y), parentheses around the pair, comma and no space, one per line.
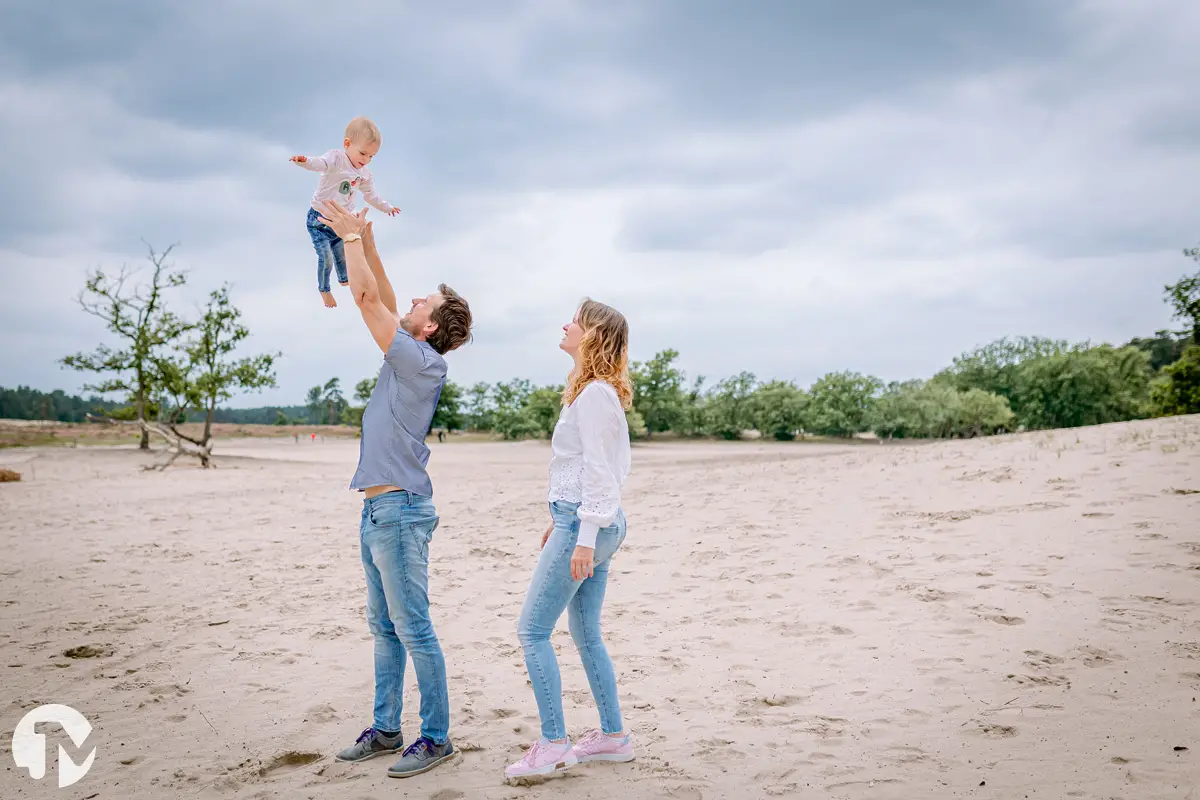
(479,407)
(778,409)
(544,406)
(636,425)
(840,403)
(314,401)
(919,409)
(693,421)
(511,417)
(900,410)
(137,315)
(363,389)
(334,401)
(1083,387)
(1178,390)
(983,413)
(215,375)
(1184,297)
(993,367)
(730,408)
(204,371)
(658,392)
(448,413)
(351,415)
(326,403)
(1165,348)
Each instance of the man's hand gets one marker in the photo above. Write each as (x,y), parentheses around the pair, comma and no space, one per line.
(342,221)
(299,159)
(581,563)
(546,535)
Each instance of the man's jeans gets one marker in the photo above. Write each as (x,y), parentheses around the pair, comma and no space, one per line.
(551,591)
(395,534)
(331,252)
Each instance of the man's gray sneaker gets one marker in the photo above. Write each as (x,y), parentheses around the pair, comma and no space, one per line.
(371,743)
(421,756)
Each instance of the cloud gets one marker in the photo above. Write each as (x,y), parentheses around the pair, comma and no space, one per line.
(786,188)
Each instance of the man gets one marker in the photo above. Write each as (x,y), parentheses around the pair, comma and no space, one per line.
(398,518)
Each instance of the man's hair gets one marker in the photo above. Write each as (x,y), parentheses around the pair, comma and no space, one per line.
(453,319)
(362,131)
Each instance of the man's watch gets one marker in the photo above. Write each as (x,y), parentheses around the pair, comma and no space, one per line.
(351,237)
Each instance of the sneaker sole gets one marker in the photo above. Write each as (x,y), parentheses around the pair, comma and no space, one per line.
(368,757)
(549,769)
(424,769)
(612,758)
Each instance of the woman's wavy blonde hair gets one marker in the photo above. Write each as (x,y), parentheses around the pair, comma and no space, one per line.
(603,353)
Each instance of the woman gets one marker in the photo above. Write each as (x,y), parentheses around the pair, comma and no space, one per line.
(590,462)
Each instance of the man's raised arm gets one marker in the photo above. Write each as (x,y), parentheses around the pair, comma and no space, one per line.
(386,294)
(381,320)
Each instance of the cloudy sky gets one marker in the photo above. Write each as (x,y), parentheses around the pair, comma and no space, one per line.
(785,186)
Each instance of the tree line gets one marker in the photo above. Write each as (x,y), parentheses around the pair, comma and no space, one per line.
(24,402)
(1022,383)
(172,370)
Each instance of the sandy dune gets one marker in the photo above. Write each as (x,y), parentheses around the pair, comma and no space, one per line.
(1005,618)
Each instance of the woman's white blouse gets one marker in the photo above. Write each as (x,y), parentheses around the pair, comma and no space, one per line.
(591,458)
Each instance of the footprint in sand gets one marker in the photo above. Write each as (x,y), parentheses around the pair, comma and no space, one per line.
(1004,619)
(994,731)
(88,651)
(321,713)
(1095,657)
(286,762)
(1040,660)
(1041,680)
(1185,649)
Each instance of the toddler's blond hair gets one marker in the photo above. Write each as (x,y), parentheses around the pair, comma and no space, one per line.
(363,131)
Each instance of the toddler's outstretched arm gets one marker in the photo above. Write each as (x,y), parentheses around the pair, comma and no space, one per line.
(314,163)
(371,196)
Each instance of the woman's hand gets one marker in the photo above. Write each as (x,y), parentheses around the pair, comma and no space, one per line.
(546,535)
(581,562)
(342,221)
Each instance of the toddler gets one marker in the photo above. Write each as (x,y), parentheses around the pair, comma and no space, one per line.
(342,172)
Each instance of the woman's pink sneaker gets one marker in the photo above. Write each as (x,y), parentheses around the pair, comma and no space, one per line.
(544,758)
(599,746)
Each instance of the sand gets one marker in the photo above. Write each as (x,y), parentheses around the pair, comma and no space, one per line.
(999,618)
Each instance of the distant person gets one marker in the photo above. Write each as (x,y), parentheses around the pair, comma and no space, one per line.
(398,517)
(343,173)
(591,459)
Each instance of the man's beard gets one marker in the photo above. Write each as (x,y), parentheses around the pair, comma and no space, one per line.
(407,324)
